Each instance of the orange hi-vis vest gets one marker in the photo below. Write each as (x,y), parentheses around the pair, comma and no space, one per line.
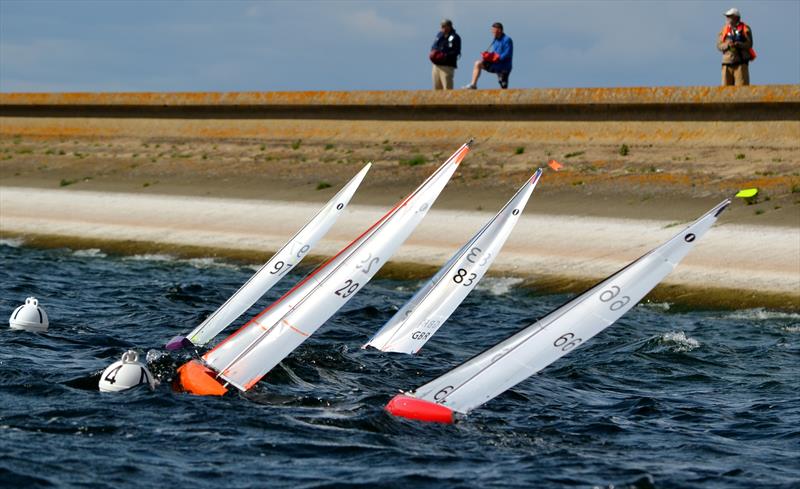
(740,32)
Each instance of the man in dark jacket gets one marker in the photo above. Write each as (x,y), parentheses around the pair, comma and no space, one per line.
(444,55)
(496,60)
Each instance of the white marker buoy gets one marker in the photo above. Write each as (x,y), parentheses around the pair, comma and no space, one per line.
(29,317)
(125,374)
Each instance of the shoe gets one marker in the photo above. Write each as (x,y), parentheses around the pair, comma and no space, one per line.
(469,87)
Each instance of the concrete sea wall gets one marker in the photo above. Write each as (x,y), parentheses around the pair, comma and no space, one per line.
(708,116)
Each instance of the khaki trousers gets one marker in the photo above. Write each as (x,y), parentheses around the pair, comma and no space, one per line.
(738,75)
(443,77)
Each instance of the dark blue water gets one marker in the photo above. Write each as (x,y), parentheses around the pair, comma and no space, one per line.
(662,399)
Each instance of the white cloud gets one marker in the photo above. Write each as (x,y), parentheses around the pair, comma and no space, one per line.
(370,23)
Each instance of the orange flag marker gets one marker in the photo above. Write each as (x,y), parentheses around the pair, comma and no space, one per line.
(555,165)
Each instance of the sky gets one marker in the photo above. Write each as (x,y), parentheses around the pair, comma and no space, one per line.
(238,45)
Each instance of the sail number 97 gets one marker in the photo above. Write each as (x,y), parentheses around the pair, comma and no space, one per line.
(610,294)
(278,266)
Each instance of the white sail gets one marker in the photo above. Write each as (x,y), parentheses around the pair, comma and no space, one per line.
(499,368)
(279,265)
(257,347)
(419,319)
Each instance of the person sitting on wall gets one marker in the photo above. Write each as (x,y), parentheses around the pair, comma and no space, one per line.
(444,55)
(496,60)
(735,40)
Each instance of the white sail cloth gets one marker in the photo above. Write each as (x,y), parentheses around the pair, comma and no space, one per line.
(246,356)
(499,368)
(419,319)
(279,265)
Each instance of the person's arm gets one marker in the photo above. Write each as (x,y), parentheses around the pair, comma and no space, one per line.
(435,44)
(457,46)
(506,49)
(722,43)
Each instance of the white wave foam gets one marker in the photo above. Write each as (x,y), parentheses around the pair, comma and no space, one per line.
(499,285)
(791,329)
(761,314)
(151,257)
(12,242)
(679,342)
(90,252)
(659,306)
(154,355)
(209,263)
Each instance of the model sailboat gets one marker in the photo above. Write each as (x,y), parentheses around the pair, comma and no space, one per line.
(503,366)
(419,319)
(273,270)
(247,355)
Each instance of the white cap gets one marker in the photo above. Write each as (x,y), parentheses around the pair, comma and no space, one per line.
(734,12)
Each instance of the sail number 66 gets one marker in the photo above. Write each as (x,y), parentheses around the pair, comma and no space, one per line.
(567,341)
(611,293)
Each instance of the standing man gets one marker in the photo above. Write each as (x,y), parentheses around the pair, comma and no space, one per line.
(444,55)
(496,60)
(735,40)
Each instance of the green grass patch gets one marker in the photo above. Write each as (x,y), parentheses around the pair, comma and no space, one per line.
(65,182)
(414,161)
(296,144)
(740,156)
(329,147)
(323,185)
(387,148)
(624,150)
(519,150)
(574,154)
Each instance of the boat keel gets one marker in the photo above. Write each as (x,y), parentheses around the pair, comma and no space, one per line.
(195,378)
(419,410)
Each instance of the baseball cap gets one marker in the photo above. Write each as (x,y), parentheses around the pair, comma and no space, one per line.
(446,22)
(734,12)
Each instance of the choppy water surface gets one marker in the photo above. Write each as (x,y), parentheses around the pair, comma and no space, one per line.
(661,399)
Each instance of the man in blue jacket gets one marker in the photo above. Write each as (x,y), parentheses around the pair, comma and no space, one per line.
(496,60)
(444,55)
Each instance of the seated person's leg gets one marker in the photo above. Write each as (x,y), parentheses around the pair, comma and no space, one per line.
(502,79)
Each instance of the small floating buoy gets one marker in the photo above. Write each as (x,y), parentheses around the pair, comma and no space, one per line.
(125,374)
(29,317)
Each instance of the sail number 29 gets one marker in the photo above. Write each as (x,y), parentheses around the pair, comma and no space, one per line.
(349,288)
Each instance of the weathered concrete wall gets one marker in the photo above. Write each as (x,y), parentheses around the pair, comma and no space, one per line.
(661,115)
